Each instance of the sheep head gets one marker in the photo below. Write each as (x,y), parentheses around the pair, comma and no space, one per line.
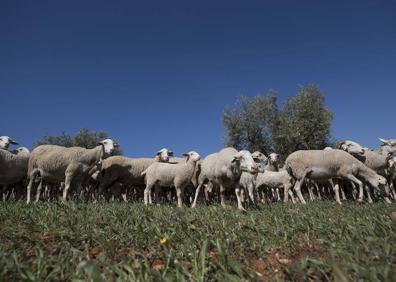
(245,160)
(163,155)
(192,155)
(351,147)
(108,146)
(5,142)
(259,157)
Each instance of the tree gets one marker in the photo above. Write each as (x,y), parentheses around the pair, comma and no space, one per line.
(84,138)
(304,123)
(249,124)
(258,124)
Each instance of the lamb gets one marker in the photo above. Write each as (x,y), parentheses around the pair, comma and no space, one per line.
(177,175)
(327,164)
(248,180)
(128,171)
(273,162)
(224,169)
(55,164)
(5,142)
(276,180)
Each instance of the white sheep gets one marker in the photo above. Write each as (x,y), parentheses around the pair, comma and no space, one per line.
(5,142)
(276,180)
(176,175)
(13,166)
(248,180)
(224,169)
(377,160)
(328,164)
(56,164)
(127,171)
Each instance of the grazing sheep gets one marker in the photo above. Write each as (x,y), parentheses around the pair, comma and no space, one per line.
(377,160)
(177,175)
(56,164)
(327,164)
(351,147)
(224,169)
(127,171)
(5,142)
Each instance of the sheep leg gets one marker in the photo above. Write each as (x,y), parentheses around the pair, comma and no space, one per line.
(179,194)
(352,178)
(251,189)
(68,181)
(238,195)
(3,190)
(147,194)
(124,195)
(392,189)
(290,192)
(196,194)
(32,179)
(278,198)
(286,193)
(297,188)
(367,188)
(318,191)
(222,190)
(38,192)
(336,189)
(343,193)
(311,196)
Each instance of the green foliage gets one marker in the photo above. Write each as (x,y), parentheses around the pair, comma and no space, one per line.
(84,138)
(258,124)
(121,242)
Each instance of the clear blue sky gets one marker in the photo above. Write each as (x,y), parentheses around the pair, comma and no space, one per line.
(161,73)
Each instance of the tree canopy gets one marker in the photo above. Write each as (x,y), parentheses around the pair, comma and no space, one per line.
(258,123)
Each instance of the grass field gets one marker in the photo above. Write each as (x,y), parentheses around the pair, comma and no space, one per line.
(115,241)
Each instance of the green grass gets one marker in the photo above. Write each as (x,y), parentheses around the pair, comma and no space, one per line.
(115,241)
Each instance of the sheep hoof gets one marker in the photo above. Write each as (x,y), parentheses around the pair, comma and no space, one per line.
(242,209)
(360,201)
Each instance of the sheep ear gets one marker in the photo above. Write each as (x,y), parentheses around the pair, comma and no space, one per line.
(13,142)
(237,157)
(187,156)
(383,140)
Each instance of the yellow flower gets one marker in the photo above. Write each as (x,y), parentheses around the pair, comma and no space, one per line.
(164,241)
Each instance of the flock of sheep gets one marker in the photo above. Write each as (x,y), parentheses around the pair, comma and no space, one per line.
(347,171)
